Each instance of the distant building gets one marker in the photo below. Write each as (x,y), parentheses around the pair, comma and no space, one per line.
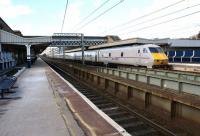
(197,36)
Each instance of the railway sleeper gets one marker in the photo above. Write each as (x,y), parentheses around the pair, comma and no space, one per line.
(132,126)
(125,119)
(100,102)
(146,132)
(110,108)
(112,111)
(96,98)
(77,87)
(107,105)
(91,95)
(118,114)
(115,112)
(140,129)
(83,90)
(75,83)
(86,93)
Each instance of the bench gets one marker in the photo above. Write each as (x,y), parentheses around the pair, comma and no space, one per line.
(6,83)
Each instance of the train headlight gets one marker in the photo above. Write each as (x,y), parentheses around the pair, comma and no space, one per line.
(165,61)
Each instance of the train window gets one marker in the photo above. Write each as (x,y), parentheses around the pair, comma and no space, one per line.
(122,54)
(138,51)
(144,50)
(109,54)
(155,50)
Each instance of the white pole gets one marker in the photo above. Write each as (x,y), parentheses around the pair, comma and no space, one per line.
(28,53)
(1,59)
(82,47)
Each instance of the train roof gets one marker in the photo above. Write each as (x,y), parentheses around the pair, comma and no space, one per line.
(127,42)
(175,43)
(114,47)
(143,45)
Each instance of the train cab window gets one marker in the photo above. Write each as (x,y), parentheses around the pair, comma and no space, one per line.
(144,50)
(109,54)
(156,50)
(138,51)
(122,54)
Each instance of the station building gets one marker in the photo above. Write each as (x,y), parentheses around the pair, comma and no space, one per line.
(10,55)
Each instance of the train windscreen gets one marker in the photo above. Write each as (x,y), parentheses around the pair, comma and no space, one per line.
(156,50)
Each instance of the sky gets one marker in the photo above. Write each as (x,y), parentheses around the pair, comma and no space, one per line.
(127,19)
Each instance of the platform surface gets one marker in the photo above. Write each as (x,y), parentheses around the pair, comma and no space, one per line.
(191,67)
(32,110)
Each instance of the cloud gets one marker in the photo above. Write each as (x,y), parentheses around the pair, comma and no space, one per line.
(9,10)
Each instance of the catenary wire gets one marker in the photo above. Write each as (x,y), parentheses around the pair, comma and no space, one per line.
(156,18)
(146,15)
(94,11)
(64,16)
(87,23)
(147,27)
(171,31)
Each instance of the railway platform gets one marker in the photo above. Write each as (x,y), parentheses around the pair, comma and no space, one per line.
(192,67)
(38,108)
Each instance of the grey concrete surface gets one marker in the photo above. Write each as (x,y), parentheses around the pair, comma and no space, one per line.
(32,110)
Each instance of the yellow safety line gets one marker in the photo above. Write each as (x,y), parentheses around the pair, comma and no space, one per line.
(91,129)
(59,107)
(65,120)
(71,131)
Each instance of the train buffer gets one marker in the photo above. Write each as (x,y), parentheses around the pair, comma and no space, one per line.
(6,83)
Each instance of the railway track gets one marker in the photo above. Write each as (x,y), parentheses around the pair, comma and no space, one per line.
(184,75)
(133,122)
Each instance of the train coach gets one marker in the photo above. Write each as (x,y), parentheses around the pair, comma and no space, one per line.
(148,55)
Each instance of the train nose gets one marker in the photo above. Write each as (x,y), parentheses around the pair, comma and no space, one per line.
(160,59)
(159,56)
(161,62)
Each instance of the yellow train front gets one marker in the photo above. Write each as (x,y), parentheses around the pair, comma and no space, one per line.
(159,57)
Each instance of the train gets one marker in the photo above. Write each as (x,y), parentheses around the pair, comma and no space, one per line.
(147,55)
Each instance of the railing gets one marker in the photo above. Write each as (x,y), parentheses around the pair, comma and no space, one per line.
(171,74)
(179,82)
(184,56)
